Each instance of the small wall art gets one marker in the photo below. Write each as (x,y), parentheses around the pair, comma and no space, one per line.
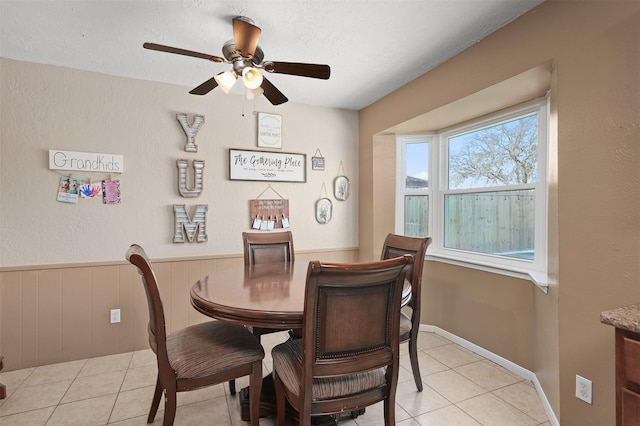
(68,189)
(317,161)
(269,130)
(90,190)
(111,192)
(324,207)
(341,185)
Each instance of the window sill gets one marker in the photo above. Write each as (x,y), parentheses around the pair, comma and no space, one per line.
(539,279)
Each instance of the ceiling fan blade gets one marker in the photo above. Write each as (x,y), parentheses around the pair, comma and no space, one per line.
(295,68)
(169,49)
(205,87)
(245,36)
(272,93)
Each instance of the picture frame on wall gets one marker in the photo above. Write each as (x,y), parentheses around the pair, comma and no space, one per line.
(269,130)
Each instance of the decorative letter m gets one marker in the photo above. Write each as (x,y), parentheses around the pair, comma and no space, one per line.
(185,224)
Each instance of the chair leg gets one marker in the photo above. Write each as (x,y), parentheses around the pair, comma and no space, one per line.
(390,410)
(413,356)
(3,388)
(232,387)
(255,388)
(169,407)
(280,400)
(155,402)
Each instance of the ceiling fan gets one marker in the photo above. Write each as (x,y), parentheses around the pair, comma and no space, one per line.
(247,60)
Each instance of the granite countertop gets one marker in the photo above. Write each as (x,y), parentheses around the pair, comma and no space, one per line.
(626,318)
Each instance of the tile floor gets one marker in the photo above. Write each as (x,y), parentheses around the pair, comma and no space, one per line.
(461,388)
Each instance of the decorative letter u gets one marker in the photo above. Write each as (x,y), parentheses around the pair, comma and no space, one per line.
(183,177)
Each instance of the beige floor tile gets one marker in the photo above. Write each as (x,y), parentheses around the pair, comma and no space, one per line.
(140,377)
(488,409)
(133,403)
(209,412)
(93,411)
(405,374)
(487,376)
(447,416)
(140,421)
(30,418)
(106,364)
(428,364)
(430,340)
(94,386)
(54,373)
(143,358)
(122,386)
(503,370)
(198,395)
(408,422)
(453,355)
(416,403)
(27,398)
(525,398)
(453,386)
(13,379)
(374,415)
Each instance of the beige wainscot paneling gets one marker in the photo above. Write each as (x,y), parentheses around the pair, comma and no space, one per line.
(51,314)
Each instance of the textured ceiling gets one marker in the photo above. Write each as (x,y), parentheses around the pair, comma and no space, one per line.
(373,47)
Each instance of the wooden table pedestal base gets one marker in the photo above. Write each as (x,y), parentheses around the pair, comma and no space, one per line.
(268,406)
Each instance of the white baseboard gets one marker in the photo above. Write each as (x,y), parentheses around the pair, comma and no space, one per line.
(514,368)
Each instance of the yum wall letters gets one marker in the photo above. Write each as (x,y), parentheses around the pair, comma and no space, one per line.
(195,225)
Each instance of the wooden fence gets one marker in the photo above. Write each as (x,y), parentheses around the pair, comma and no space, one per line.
(500,223)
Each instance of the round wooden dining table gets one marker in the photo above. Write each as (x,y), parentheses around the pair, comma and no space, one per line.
(268,295)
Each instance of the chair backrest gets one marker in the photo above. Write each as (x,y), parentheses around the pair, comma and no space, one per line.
(399,245)
(267,247)
(157,329)
(351,319)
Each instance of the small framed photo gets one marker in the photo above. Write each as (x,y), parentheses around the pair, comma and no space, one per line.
(269,130)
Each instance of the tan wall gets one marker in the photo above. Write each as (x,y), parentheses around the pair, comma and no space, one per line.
(47,107)
(60,313)
(590,49)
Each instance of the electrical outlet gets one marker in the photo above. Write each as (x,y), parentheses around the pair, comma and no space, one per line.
(584,389)
(115,316)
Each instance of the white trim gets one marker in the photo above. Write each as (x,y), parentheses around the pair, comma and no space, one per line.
(503,362)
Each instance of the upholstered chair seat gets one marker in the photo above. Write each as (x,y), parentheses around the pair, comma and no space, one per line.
(288,361)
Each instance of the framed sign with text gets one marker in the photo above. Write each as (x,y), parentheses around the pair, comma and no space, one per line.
(267,166)
(269,130)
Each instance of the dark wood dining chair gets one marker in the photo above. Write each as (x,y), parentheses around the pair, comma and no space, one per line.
(3,388)
(200,355)
(399,245)
(267,247)
(348,357)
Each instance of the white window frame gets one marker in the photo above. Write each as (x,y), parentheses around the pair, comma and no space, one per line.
(535,270)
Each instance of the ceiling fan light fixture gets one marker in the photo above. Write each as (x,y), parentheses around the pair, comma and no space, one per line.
(226,80)
(252,77)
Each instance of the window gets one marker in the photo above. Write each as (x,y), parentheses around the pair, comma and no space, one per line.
(479,190)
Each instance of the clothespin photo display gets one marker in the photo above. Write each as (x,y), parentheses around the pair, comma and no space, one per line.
(269,214)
